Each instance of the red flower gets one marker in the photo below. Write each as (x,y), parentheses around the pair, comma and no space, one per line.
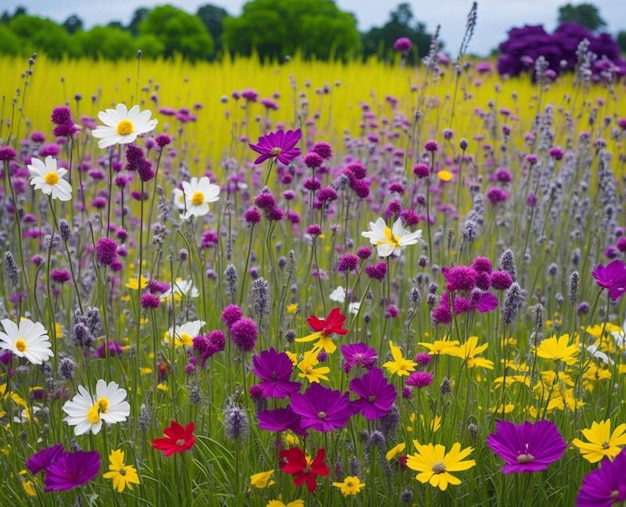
(329,325)
(294,462)
(178,439)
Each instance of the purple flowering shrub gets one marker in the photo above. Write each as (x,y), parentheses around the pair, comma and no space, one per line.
(526,44)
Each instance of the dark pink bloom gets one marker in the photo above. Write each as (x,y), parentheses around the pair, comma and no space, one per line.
(612,277)
(42,459)
(376,394)
(402,45)
(420,378)
(459,278)
(527,447)
(487,302)
(244,334)
(358,355)
(274,369)
(72,469)
(281,419)
(279,145)
(604,486)
(322,408)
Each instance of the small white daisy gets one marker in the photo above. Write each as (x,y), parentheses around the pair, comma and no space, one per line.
(390,241)
(179,289)
(198,194)
(28,339)
(185,333)
(122,126)
(48,178)
(87,412)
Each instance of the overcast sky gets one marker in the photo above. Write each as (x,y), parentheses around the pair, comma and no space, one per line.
(495,17)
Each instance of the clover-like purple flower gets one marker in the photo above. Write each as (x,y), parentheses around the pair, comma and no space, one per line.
(527,447)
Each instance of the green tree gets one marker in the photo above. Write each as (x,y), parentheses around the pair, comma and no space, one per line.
(10,43)
(585,14)
(621,41)
(73,24)
(106,42)
(42,35)
(213,19)
(178,31)
(277,28)
(138,16)
(379,40)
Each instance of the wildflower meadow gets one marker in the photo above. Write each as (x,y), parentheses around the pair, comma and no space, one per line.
(311,284)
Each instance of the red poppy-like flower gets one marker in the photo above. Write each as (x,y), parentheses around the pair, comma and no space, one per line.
(294,462)
(331,324)
(178,439)
(280,145)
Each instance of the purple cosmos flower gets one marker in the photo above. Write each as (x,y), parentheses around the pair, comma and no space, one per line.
(604,486)
(322,408)
(358,355)
(72,469)
(274,369)
(281,419)
(377,395)
(280,145)
(487,302)
(612,277)
(527,447)
(42,459)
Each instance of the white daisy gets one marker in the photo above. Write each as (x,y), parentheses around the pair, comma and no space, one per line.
(179,289)
(390,241)
(122,126)
(198,194)
(48,178)
(28,339)
(185,333)
(87,412)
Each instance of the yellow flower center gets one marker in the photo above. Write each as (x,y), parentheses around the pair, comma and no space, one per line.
(20,345)
(525,458)
(276,151)
(605,445)
(349,483)
(391,240)
(51,178)
(125,127)
(186,339)
(439,468)
(321,415)
(101,407)
(197,198)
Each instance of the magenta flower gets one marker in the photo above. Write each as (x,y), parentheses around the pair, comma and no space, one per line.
(42,459)
(402,45)
(322,408)
(358,355)
(487,302)
(527,447)
(72,469)
(376,394)
(281,419)
(604,486)
(612,277)
(274,369)
(279,145)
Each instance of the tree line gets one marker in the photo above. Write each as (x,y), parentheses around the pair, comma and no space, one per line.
(273,29)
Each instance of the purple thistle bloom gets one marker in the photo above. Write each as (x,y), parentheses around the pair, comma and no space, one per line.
(403,45)
(106,251)
(527,447)
(280,145)
(604,486)
(611,277)
(420,378)
(114,349)
(281,419)
(322,408)
(358,355)
(72,469)
(42,459)
(274,369)
(377,271)
(459,278)
(231,314)
(377,395)
(244,334)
